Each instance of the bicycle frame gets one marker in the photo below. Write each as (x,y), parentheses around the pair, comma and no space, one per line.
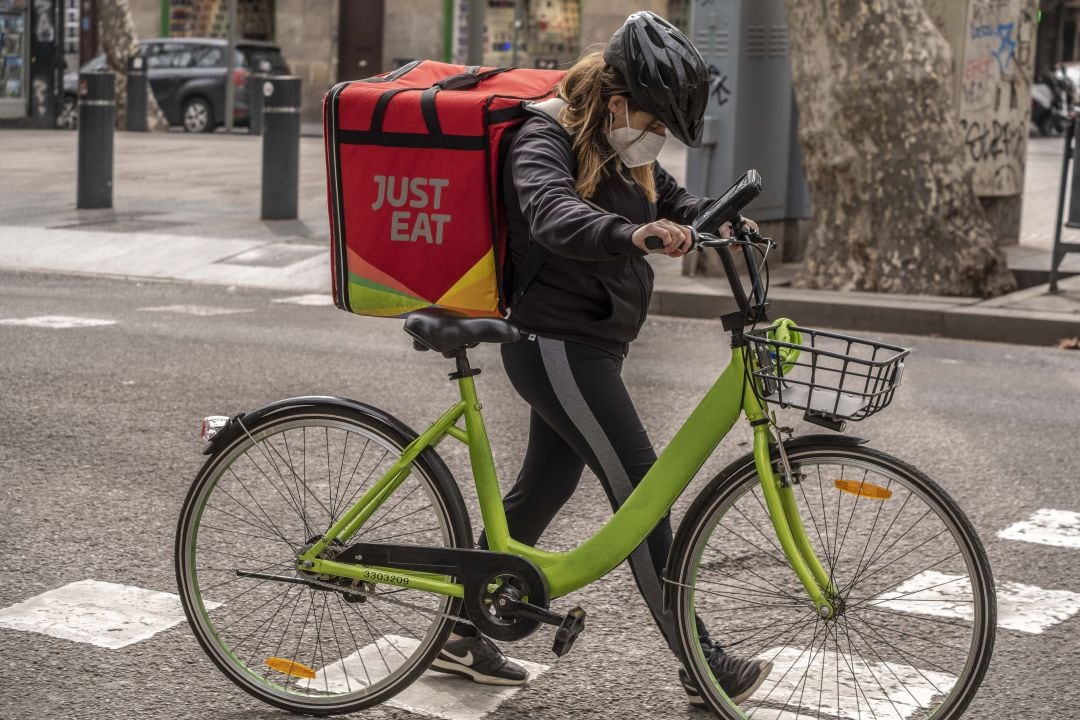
(650,501)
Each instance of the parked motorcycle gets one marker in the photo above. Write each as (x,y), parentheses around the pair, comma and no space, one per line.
(1053,102)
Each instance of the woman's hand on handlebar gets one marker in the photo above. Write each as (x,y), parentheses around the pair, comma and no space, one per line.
(726,231)
(677,239)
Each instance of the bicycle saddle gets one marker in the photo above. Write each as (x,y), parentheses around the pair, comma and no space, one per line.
(446,333)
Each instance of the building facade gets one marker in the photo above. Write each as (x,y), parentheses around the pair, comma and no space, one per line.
(327,41)
(31,61)
(1059,34)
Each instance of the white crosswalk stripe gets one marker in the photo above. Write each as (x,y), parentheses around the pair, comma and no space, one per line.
(849,686)
(56,322)
(1025,608)
(434,694)
(100,613)
(1060,528)
(196,310)
(315,300)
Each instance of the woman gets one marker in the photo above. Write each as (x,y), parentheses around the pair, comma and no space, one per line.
(583,192)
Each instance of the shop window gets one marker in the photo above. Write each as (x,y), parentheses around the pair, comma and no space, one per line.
(14,57)
(534,33)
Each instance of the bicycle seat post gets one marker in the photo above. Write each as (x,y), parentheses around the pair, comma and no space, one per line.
(464,370)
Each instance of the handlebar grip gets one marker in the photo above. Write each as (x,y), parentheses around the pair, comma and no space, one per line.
(654,242)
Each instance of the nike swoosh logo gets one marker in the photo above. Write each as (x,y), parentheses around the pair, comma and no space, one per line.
(465,659)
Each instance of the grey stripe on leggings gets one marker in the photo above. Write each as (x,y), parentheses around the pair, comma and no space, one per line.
(557,366)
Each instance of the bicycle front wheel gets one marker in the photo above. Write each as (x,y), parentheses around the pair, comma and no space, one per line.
(313,644)
(915,605)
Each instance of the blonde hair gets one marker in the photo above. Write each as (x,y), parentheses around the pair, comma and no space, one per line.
(587,88)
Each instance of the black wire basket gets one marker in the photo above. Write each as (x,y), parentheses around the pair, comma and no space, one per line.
(834,376)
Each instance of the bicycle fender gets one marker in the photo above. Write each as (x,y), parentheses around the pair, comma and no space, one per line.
(237,423)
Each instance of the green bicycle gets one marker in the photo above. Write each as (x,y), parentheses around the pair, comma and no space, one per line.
(324,551)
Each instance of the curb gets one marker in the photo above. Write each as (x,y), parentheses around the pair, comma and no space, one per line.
(956,318)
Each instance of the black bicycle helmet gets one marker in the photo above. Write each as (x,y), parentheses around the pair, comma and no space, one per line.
(667,76)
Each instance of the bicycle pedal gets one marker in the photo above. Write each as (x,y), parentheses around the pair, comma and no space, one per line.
(568,631)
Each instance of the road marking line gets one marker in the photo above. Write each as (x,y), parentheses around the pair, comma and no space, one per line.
(322,299)
(100,613)
(434,694)
(57,322)
(196,310)
(848,686)
(1025,608)
(1060,528)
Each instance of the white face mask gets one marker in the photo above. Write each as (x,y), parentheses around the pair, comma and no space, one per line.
(635,147)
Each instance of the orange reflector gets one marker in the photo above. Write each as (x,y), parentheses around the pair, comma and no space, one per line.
(290,667)
(864,489)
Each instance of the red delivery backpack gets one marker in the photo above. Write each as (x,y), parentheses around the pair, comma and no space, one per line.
(413,161)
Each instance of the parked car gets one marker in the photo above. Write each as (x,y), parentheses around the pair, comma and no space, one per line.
(187,76)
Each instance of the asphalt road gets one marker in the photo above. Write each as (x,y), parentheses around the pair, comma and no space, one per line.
(100,444)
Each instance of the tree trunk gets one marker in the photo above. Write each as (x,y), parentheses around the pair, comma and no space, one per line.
(894,207)
(118,40)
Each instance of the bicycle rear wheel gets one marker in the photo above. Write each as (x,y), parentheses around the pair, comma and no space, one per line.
(317,647)
(916,619)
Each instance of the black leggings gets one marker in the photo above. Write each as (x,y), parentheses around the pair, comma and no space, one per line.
(581,415)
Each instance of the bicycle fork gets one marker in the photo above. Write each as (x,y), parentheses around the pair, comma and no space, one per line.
(784,513)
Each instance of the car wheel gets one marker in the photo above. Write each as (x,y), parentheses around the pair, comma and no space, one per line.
(68,117)
(197,116)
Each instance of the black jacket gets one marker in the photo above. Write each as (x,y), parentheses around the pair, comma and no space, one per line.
(593,285)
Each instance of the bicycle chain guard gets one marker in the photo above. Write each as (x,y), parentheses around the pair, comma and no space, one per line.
(482,573)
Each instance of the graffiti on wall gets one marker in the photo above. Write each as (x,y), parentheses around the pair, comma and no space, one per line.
(718,85)
(994,87)
(43,47)
(43,22)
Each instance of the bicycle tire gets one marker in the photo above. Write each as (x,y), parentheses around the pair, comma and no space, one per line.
(944,658)
(273,440)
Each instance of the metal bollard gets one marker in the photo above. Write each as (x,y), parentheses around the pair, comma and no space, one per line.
(255,83)
(1074,196)
(97,116)
(136,94)
(1072,155)
(281,147)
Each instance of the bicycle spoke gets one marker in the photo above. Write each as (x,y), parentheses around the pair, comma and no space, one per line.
(851,516)
(888,666)
(906,657)
(356,644)
(903,535)
(760,532)
(399,519)
(401,535)
(296,485)
(871,599)
(395,506)
(816,620)
(921,570)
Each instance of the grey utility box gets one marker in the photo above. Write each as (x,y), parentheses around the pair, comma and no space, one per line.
(751,118)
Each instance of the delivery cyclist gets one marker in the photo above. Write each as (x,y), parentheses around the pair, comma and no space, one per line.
(583,191)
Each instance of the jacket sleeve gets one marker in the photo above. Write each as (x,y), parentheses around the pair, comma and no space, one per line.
(542,172)
(672,201)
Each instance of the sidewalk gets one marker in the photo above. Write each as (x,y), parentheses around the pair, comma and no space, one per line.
(187,208)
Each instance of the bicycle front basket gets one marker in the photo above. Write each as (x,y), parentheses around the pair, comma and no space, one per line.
(826,374)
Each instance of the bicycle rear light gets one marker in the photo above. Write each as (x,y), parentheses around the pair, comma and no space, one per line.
(211,426)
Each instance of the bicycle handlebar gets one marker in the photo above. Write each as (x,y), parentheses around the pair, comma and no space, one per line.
(744,237)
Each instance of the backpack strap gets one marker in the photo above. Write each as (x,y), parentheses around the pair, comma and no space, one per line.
(550,109)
